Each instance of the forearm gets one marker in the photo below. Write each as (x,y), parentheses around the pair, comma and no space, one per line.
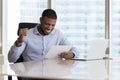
(15,52)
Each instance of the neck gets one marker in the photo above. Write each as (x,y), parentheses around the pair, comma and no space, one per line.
(40,30)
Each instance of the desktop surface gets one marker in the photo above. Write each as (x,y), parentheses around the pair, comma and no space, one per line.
(59,69)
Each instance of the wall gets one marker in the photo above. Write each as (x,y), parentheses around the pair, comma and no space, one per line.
(0,26)
(0,22)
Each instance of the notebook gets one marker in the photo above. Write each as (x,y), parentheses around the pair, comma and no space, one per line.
(96,51)
(56,50)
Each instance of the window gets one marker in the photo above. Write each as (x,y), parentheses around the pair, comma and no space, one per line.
(22,11)
(30,11)
(115,38)
(81,20)
(78,22)
(115,29)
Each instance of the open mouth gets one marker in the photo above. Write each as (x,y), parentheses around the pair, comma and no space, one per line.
(48,31)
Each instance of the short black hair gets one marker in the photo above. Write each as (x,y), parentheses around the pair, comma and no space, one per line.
(50,13)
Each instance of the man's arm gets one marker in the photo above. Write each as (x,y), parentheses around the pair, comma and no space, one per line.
(18,47)
(15,52)
(70,54)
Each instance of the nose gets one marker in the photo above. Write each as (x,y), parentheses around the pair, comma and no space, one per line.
(50,27)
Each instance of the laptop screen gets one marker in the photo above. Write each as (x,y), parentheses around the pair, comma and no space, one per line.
(97,48)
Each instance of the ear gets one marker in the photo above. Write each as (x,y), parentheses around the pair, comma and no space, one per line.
(40,19)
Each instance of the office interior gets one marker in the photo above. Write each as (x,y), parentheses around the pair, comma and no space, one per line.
(80,20)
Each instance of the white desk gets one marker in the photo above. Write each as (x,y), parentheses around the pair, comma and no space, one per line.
(60,69)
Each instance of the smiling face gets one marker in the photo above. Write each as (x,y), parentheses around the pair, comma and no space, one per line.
(47,25)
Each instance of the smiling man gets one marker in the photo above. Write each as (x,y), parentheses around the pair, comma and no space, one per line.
(35,43)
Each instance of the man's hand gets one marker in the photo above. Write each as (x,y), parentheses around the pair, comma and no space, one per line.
(22,34)
(67,55)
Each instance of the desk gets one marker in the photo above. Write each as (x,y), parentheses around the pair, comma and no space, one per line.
(59,69)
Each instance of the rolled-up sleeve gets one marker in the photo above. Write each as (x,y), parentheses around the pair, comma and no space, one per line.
(65,41)
(15,52)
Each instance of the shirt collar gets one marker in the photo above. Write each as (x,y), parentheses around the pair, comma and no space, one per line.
(35,31)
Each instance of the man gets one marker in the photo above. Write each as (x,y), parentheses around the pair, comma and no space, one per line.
(34,43)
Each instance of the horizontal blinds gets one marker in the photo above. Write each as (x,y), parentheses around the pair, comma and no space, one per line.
(81,20)
(115,29)
(115,39)
(30,10)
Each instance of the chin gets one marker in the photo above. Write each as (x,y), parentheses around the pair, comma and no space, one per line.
(47,33)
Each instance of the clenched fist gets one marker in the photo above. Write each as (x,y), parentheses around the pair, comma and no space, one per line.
(22,34)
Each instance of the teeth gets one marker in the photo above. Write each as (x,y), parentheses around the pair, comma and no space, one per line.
(48,31)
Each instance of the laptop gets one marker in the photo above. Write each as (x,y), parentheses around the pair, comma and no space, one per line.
(96,50)
(56,50)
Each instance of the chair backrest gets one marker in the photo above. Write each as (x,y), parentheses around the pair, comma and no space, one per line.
(24,25)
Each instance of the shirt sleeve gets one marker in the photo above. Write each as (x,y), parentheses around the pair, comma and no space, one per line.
(15,52)
(65,41)
(75,51)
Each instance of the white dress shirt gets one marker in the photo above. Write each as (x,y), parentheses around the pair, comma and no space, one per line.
(35,46)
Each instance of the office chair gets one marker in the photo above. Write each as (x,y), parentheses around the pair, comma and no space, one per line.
(22,25)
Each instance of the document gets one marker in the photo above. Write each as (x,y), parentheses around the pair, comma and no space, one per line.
(56,50)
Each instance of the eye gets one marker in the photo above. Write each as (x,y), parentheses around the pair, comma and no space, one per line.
(47,24)
(53,25)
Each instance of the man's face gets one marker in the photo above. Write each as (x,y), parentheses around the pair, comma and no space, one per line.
(47,24)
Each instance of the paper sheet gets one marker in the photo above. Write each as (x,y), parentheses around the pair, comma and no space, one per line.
(56,50)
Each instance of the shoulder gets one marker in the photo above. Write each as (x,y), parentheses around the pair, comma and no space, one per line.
(57,31)
(32,30)
(30,34)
